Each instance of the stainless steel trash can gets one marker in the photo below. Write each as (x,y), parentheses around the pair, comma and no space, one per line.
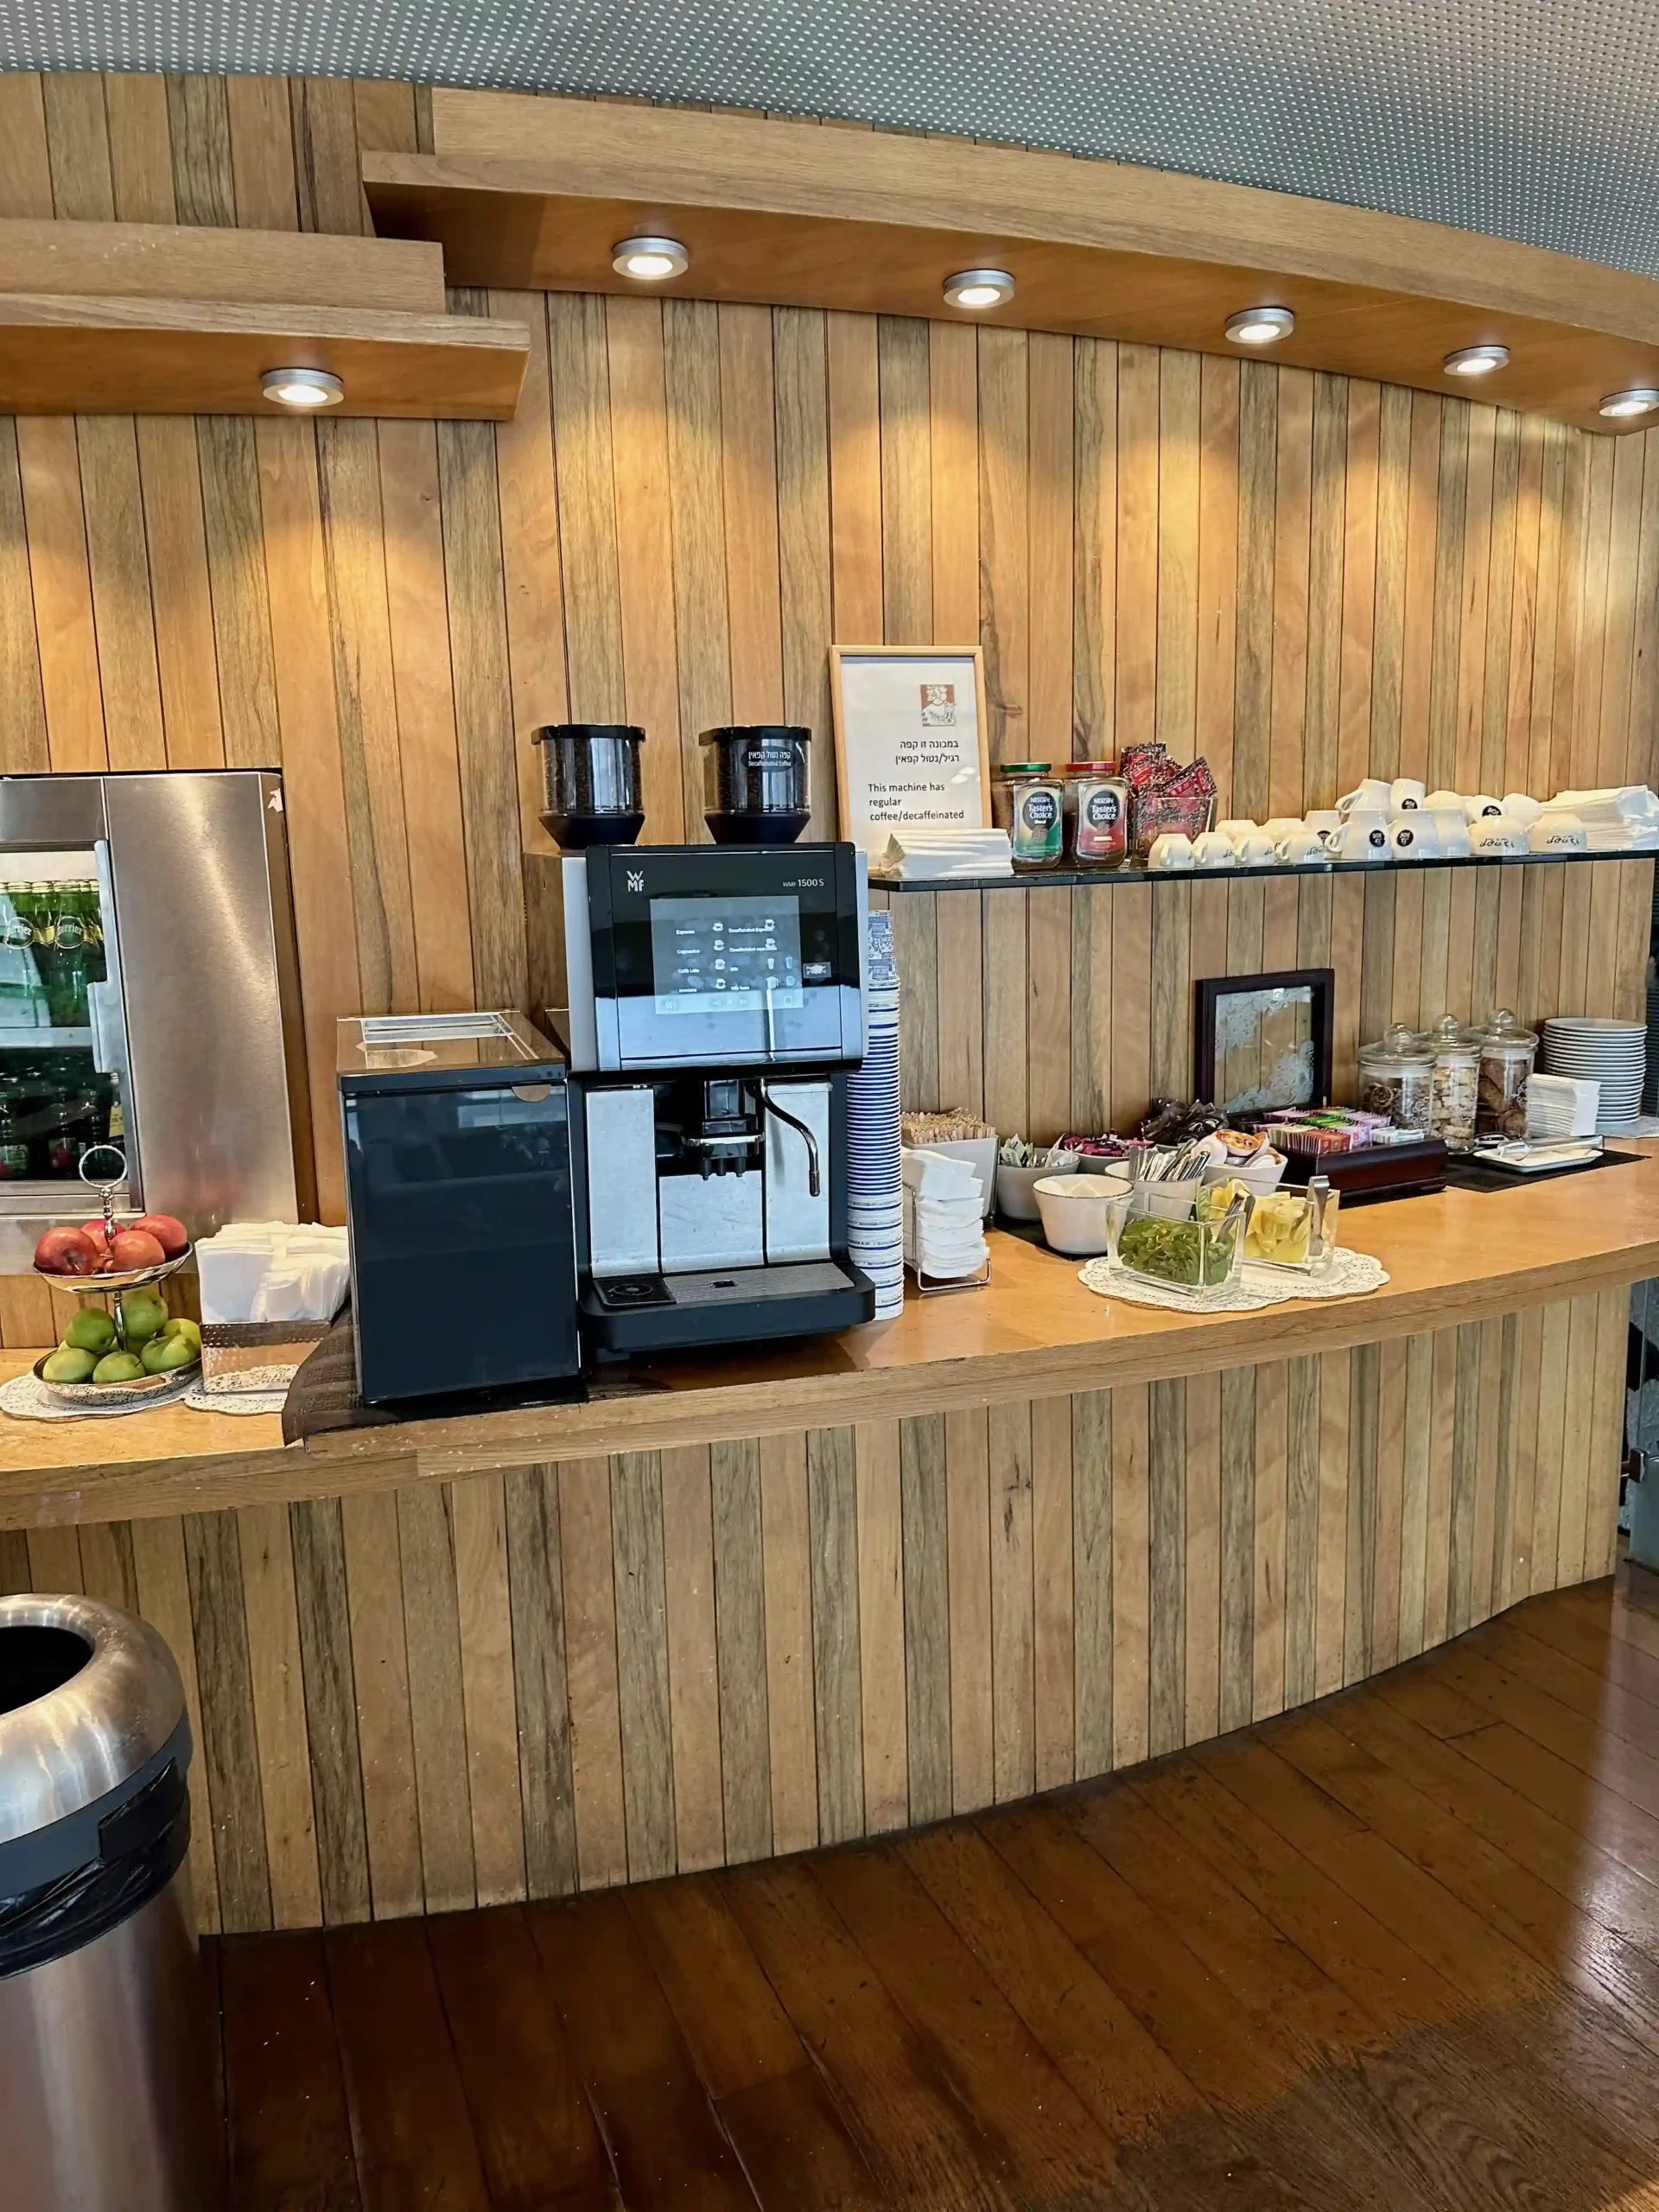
(106,2092)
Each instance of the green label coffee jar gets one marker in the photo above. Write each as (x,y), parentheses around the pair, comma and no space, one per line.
(1028,800)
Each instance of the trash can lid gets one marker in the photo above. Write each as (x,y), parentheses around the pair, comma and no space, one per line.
(89,1696)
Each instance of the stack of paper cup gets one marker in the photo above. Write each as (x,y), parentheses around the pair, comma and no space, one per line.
(875,1214)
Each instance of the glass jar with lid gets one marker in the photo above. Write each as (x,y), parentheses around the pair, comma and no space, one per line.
(1456,1082)
(1397,1077)
(1096,814)
(1507,1053)
(1028,801)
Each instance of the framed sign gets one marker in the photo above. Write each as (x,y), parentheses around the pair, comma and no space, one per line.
(911,740)
(1262,1041)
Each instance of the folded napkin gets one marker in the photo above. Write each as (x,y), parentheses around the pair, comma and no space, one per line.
(273,1271)
(920,854)
(939,1174)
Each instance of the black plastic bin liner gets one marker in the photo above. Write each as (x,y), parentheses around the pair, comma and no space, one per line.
(140,1843)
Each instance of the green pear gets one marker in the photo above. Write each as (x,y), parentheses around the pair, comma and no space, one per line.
(119,1366)
(181,1326)
(69,1364)
(142,1316)
(93,1330)
(164,1353)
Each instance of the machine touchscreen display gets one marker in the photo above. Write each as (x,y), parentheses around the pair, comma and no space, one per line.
(727,955)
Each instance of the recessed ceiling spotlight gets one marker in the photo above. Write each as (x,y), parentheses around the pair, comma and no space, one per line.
(1641,401)
(302,387)
(979,287)
(1260,326)
(1476,360)
(650,259)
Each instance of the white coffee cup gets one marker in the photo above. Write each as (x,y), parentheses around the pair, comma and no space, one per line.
(1453,831)
(1362,836)
(1481,807)
(1521,807)
(1321,818)
(1445,801)
(1405,793)
(1370,795)
(1256,850)
(1282,825)
(1557,831)
(1233,830)
(1173,849)
(1302,848)
(1413,835)
(1497,836)
(1211,850)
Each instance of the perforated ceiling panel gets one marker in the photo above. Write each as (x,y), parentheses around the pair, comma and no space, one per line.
(1533,119)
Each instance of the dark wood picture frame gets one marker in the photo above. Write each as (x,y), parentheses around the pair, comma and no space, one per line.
(1320,982)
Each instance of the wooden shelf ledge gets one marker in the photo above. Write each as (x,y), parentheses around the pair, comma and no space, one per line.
(1460,1257)
(178,261)
(531,193)
(69,355)
(1104,878)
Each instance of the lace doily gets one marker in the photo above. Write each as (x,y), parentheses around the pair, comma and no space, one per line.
(1351,1275)
(28,1397)
(264,1391)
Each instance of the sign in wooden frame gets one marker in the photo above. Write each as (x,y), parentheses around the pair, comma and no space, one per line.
(912,746)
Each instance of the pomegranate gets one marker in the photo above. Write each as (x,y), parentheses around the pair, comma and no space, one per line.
(65,1252)
(170,1234)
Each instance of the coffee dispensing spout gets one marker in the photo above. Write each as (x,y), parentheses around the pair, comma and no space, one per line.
(814,1182)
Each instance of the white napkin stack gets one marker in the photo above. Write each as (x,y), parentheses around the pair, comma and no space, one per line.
(944,1225)
(273,1271)
(1618,818)
(1561,1106)
(918,854)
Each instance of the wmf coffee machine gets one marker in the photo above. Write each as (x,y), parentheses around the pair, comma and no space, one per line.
(716,1001)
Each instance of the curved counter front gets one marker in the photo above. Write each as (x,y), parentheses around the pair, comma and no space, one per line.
(741,1606)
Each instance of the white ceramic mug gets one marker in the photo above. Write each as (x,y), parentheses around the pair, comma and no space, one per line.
(1302,848)
(1481,807)
(1498,837)
(1256,850)
(1211,850)
(1444,802)
(1370,795)
(1173,849)
(1232,831)
(1321,818)
(1520,806)
(1282,825)
(1405,793)
(1362,836)
(1452,827)
(1557,831)
(1414,835)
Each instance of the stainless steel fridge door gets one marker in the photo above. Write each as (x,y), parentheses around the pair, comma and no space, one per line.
(195,859)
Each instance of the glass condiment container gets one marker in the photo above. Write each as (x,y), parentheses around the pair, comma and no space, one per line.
(1179,1251)
(1397,1077)
(1294,1228)
(1096,814)
(1028,801)
(1456,1082)
(1507,1053)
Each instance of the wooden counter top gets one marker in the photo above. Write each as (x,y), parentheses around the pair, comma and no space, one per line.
(1462,1256)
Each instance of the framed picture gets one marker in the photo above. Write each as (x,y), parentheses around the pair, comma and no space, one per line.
(911,740)
(1265,1040)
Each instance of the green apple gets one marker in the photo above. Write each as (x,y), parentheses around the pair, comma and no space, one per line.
(93,1330)
(69,1364)
(142,1316)
(119,1366)
(164,1353)
(180,1326)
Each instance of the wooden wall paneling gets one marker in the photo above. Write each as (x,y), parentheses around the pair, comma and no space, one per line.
(1004,541)
(1332,593)
(1138,397)
(536,1597)
(1502,583)
(1131,1003)
(477,1528)
(1258,433)
(1054,1601)
(1360,1565)
(1175,717)
(792,1690)
(1008,1103)
(804,557)
(239,589)
(960,1030)
(204,167)
(1093,1023)
(741,1747)
(259,128)
(645,556)
(1091,1569)
(1388,1522)
(1446,623)
(1051,521)
(276,1680)
(1548,1472)
(176,532)
(855,440)
(924,1502)
(123,616)
(1442,1449)
(78,145)
(1170,1063)
(1414,1492)
(1293,498)
(831,1474)
(54,1561)
(1201,1557)
(643,1701)
(1094,568)
(1642,748)
(953,471)
(749,404)
(25,740)
(915,945)
(1606,1432)
(1049,1011)
(1476,546)
(531,565)
(1465,1474)
(1259,1630)
(1593,579)
(163,1580)
(881,1642)
(968,1506)
(579,379)
(316,1538)
(1542,695)
(1131,1531)
(1417,612)
(326,163)
(903,380)
(699,501)
(1013,1625)
(229,1739)
(1379,432)
(1218,580)
(1623,552)
(1304,1439)
(693,1648)
(371,1538)
(61,581)
(586,1543)
(1331,1547)
(25,164)
(1578,1456)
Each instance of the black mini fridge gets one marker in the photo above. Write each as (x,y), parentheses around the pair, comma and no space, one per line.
(458,1203)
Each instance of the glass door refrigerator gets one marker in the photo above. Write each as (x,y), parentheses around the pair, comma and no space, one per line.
(149,1000)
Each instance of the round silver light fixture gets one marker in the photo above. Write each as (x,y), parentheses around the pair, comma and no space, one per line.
(302,387)
(1476,360)
(651,260)
(978,289)
(1619,406)
(1260,326)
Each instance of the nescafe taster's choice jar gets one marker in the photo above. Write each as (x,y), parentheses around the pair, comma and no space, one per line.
(759,782)
(590,775)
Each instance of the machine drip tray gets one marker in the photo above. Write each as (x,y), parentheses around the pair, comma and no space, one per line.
(731,1305)
(796,1279)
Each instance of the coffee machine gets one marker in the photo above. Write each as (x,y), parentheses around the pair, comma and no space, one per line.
(716,1002)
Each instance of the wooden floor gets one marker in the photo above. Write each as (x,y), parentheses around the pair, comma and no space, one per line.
(1399,1950)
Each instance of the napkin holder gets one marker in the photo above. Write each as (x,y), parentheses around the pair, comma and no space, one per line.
(234,1352)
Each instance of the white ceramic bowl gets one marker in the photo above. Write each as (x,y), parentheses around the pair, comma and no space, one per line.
(1016,1187)
(1172,1200)
(1259,1176)
(1077,1210)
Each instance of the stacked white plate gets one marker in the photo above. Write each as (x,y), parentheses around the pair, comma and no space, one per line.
(875,1207)
(1593,1049)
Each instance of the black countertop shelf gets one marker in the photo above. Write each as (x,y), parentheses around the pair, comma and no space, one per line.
(1040,878)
